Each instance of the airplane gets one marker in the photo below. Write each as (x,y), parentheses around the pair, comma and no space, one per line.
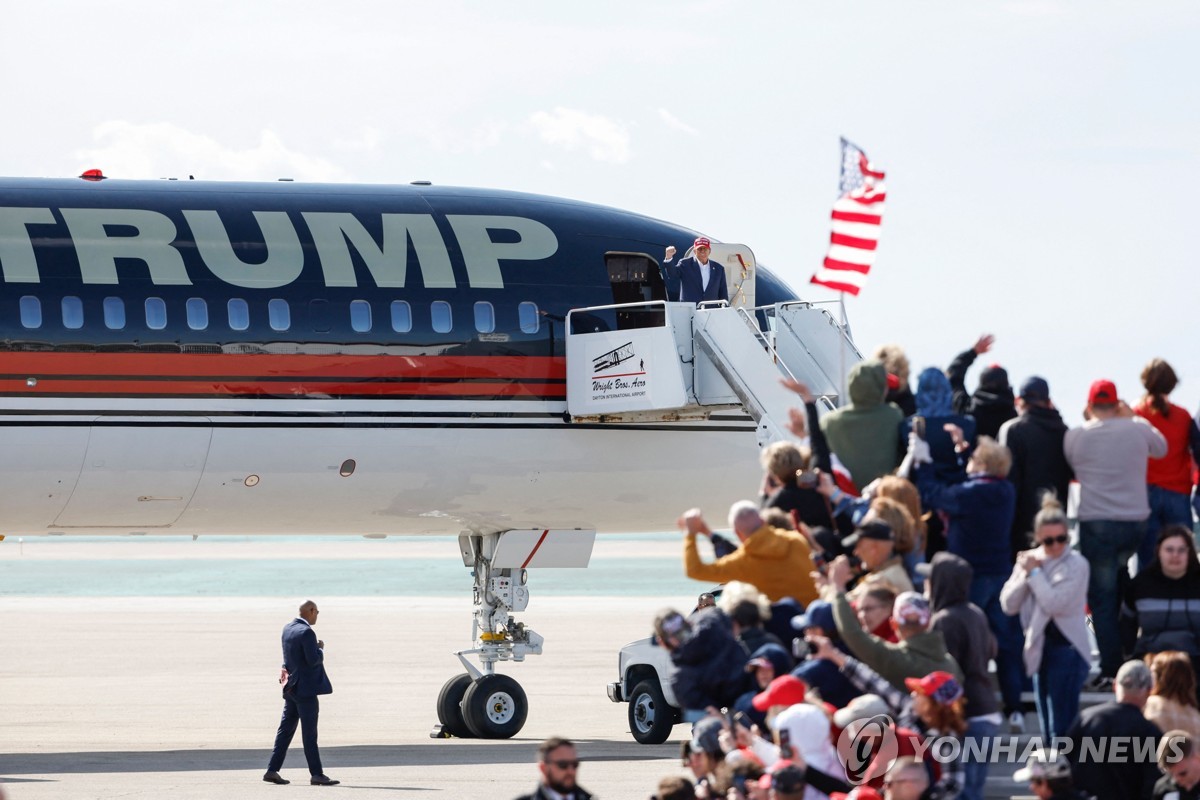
(205,358)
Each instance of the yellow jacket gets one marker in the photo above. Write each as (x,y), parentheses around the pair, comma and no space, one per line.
(777,562)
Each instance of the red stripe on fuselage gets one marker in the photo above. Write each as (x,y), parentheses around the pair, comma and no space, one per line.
(214,374)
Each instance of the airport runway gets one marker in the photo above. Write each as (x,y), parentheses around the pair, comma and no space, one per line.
(176,697)
(145,669)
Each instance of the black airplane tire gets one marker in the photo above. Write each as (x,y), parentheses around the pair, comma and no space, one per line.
(651,718)
(495,707)
(449,706)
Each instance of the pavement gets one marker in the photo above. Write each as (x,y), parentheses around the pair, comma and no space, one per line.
(146,690)
(177,697)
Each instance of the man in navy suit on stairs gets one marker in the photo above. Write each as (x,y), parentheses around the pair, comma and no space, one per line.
(303,678)
(700,278)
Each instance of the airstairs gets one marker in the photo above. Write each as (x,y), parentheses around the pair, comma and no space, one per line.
(662,361)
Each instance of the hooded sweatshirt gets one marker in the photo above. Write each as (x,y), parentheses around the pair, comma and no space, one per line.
(1035,440)
(710,665)
(991,405)
(965,628)
(865,435)
(934,404)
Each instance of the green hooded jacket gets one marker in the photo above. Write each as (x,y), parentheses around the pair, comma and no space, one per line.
(865,435)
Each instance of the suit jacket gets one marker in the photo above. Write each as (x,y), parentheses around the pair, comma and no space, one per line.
(691,288)
(304,661)
(580,794)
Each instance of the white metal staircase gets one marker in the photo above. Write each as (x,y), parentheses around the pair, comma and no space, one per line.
(670,361)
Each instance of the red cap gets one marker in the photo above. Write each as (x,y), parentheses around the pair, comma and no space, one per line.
(938,686)
(786,690)
(858,793)
(701,241)
(1103,392)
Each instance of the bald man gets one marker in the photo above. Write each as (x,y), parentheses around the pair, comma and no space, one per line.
(303,678)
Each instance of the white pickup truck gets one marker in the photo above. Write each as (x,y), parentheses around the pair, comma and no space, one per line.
(644,682)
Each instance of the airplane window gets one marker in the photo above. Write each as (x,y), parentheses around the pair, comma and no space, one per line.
(114,313)
(197,313)
(156,313)
(31,311)
(401,316)
(527,313)
(485,317)
(360,315)
(443,320)
(318,314)
(72,311)
(279,314)
(239,314)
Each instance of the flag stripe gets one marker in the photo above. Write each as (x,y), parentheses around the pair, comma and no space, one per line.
(857,216)
(848,288)
(857,230)
(853,241)
(846,266)
(851,255)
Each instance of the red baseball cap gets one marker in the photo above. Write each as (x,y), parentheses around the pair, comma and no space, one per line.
(786,690)
(938,686)
(701,241)
(1103,392)
(857,793)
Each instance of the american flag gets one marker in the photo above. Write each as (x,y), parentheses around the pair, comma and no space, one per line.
(857,215)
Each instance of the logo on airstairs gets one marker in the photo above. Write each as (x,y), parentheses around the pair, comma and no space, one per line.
(619,373)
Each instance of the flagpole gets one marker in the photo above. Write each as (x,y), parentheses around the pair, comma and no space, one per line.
(842,352)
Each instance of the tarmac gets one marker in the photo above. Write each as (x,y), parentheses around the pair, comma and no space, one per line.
(178,697)
(145,668)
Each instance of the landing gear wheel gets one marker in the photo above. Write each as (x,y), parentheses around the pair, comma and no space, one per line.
(449,706)
(495,707)
(651,718)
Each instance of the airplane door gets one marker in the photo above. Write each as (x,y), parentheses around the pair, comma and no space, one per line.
(636,278)
(137,476)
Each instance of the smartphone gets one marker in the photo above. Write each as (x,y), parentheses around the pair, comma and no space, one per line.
(918,426)
(740,718)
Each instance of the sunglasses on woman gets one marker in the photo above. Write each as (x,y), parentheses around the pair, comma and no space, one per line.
(1060,539)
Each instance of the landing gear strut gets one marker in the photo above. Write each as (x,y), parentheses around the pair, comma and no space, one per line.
(481,702)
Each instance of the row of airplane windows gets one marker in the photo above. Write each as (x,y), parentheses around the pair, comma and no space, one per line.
(279,315)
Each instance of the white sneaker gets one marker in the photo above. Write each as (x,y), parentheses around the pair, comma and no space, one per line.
(1016,722)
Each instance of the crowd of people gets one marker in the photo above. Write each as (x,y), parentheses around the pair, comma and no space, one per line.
(908,539)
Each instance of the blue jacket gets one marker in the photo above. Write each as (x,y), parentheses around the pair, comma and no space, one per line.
(304,661)
(691,288)
(710,665)
(978,513)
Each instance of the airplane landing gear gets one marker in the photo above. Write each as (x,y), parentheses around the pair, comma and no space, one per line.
(480,702)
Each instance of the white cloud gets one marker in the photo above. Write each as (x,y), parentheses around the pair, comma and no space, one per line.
(602,138)
(160,150)
(367,141)
(672,121)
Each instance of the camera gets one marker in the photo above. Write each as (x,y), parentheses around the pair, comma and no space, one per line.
(801,649)
(807,478)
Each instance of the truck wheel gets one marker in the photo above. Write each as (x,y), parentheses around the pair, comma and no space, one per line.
(650,716)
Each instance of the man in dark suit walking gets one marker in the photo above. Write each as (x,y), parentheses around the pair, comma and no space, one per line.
(303,678)
(559,764)
(700,278)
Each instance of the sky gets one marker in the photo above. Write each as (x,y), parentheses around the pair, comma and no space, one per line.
(1039,154)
